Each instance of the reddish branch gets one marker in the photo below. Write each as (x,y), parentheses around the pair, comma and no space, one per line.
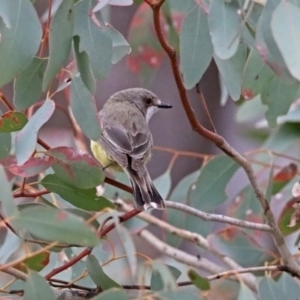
(218,140)
(88,251)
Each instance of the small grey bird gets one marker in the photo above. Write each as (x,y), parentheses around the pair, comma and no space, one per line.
(126,141)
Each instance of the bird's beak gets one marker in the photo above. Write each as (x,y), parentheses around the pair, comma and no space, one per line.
(163,105)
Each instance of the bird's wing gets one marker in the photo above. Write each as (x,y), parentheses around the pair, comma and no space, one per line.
(124,146)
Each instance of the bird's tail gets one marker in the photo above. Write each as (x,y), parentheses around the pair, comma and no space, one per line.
(145,193)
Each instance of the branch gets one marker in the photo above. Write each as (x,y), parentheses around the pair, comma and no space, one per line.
(218,218)
(219,141)
(281,268)
(189,259)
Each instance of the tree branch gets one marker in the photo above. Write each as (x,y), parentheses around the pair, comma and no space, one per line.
(189,259)
(219,141)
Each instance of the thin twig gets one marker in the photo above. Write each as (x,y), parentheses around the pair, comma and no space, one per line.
(189,259)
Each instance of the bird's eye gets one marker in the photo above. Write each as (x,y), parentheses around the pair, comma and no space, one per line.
(148,100)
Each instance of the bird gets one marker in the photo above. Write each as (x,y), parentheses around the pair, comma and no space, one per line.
(126,141)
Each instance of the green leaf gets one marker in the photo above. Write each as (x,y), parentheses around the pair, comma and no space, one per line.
(266,42)
(163,184)
(288,285)
(272,96)
(82,198)
(76,168)
(97,274)
(245,293)
(36,288)
(119,43)
(21,34)
(83,66)
(28,85)
(115,294)
(209,189)
(6,198)
(200,282)
(84,109)
(12,121)
(195,47)
(36,263)
(285,24)
(52,224)
(256,75)
(224,23)
(84,215)
(176,217)
(179,295)
(250,110)
(5,144)
(94,40)
(269,289)
(60,40)
(239,245)
(129,247)
(231,71)
(26,138)
(163,277)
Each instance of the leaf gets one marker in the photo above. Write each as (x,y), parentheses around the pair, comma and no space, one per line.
(269,289)
(163,184)
(250,110)
(209,189)
(84,109)
(119,43)
(265,41)
(28,85)
(272,96)
(36,288)
(94,40)
(82,198)
(224,23)
(36,263)
(115,294)
(146,55)
(97,274)
(83,66)
(12,121)
(32,167)
(21,34)
(176,217)
(245,293)
(239,245)
(60,40)
(285,25)
(129,247)
(5,144)
(162,277)
(6,198)
(87,216)
(76,168)
(288,285)
(200,282)
(52,224)
(231,71)
(285,218)
(196,49)
(26,138)
(256,75)
(178,295)
(283,177)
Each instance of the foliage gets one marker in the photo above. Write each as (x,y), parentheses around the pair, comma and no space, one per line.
(58,206)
